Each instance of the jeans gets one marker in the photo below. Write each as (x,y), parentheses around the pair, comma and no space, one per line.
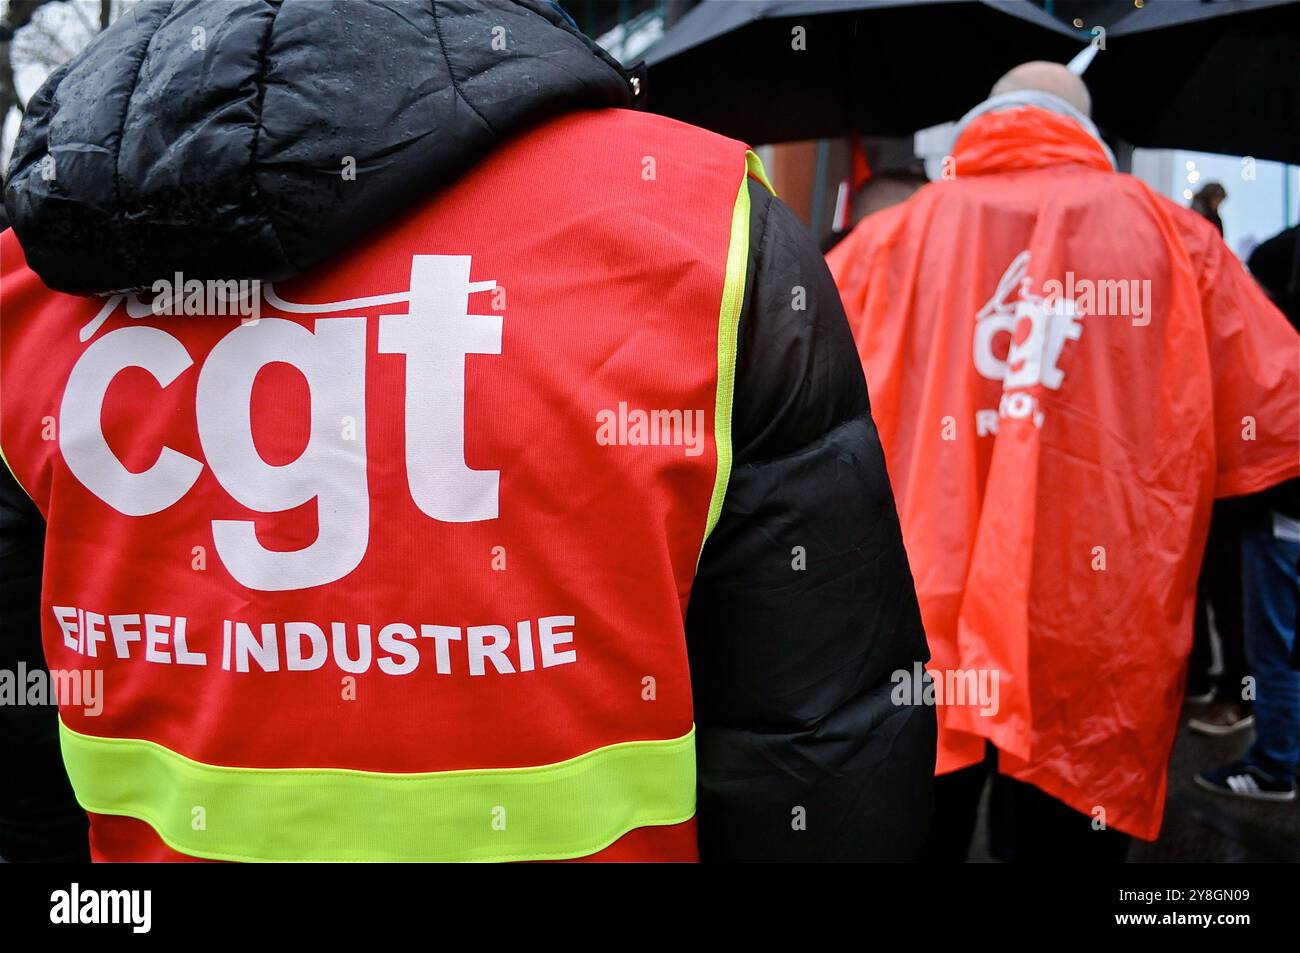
(1271,585)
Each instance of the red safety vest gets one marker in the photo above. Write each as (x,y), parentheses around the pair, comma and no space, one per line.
(399,569)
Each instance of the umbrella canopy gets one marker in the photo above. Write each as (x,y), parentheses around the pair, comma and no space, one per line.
(777,70)
(1215,77)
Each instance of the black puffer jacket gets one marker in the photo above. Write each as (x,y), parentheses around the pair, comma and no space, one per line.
(226,165)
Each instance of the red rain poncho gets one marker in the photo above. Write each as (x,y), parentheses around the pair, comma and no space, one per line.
(1065,369)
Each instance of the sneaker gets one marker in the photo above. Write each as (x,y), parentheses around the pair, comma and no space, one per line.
(1243,779)
(1222,718)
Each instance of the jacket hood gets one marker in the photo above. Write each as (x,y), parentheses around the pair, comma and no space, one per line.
(253,138)
(1026,137)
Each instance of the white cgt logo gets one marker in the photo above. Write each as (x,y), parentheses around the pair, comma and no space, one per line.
(435,336)
(1038,326)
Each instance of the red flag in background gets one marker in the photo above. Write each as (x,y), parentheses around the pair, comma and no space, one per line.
(859,175)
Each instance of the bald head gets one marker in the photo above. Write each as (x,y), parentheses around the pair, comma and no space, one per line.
(1047,78)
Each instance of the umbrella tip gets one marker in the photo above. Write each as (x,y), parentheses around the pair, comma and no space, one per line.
(1082,60)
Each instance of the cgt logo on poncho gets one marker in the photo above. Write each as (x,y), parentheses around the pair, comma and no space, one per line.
(1038,327)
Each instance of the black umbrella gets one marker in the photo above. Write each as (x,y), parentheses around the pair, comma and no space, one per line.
(1215,77)
(777,70)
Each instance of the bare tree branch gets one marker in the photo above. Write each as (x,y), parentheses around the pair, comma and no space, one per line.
(18,13)
(84,17)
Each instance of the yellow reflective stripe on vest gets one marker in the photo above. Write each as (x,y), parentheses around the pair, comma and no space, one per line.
(550,812)
(733,299)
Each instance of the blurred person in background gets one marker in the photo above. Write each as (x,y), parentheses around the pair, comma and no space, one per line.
(1224,691)
(1066,370)
(883,172)
(1270,555)
(1206,202)
(1275,263)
